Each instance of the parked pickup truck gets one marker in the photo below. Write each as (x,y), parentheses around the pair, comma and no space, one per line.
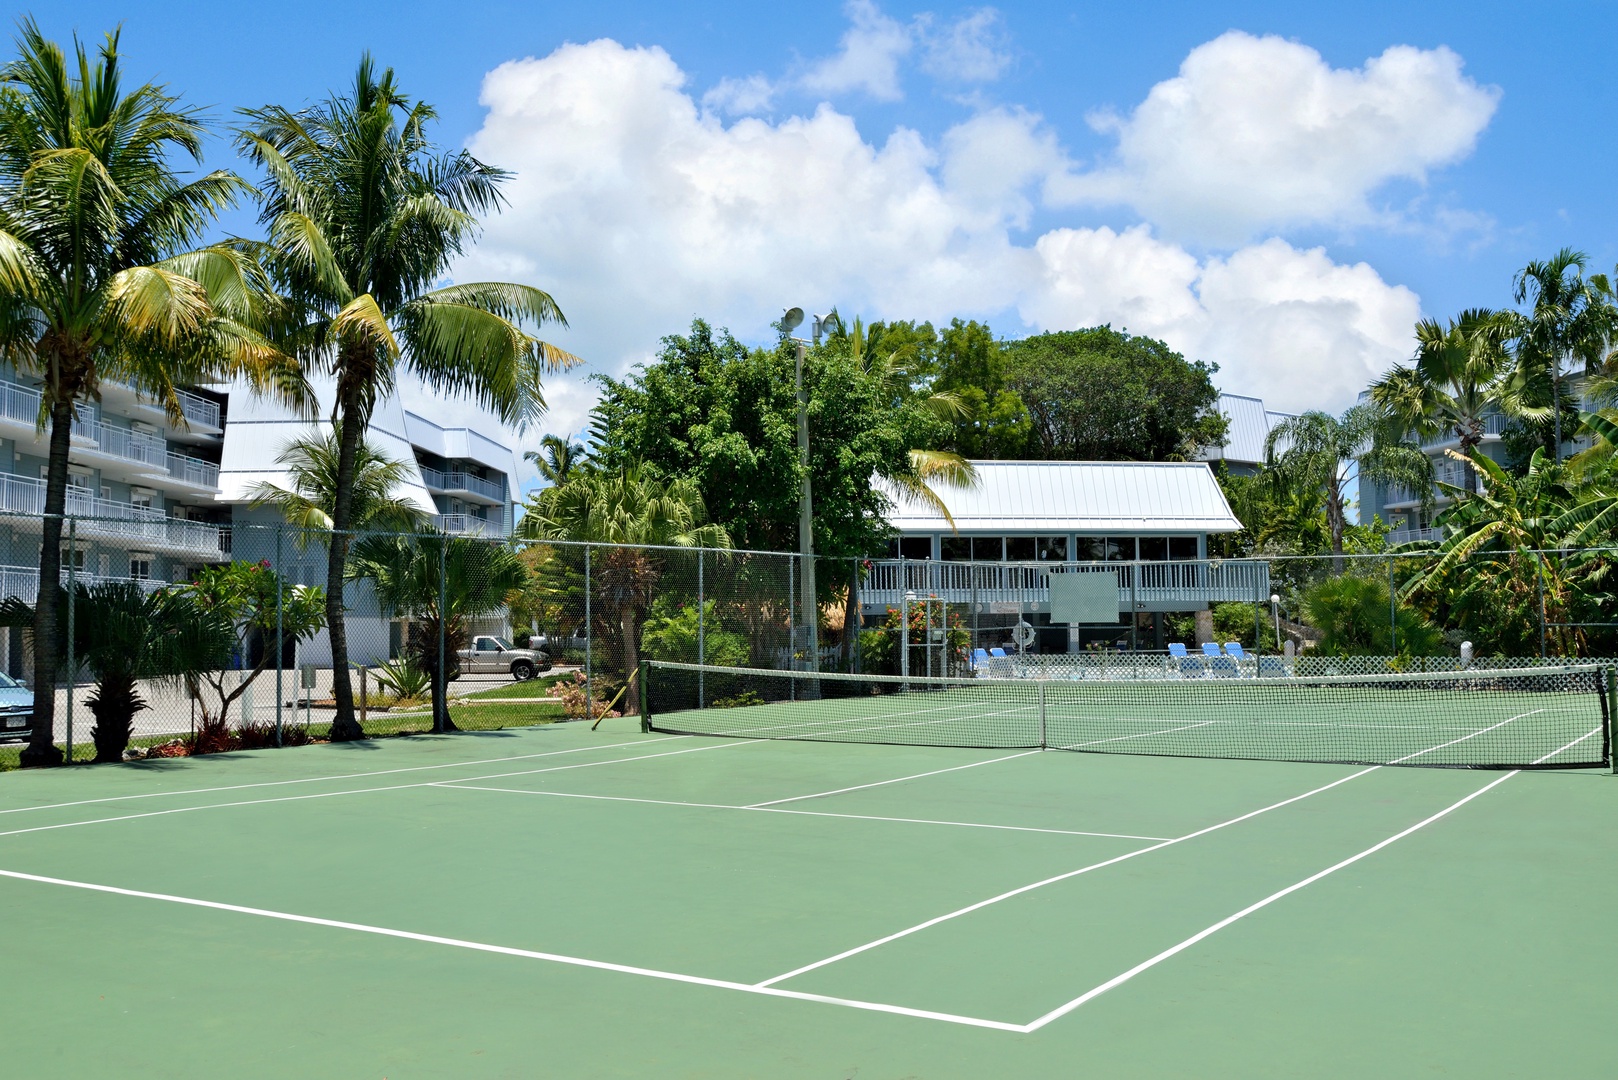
(491,654)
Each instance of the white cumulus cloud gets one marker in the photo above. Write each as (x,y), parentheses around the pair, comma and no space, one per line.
(639,209)
(969,49)
(868,59)
(1260,132)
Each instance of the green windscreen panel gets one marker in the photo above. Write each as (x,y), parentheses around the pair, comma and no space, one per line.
(1084,598)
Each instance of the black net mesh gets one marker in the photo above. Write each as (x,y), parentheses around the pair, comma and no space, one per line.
(1548,717)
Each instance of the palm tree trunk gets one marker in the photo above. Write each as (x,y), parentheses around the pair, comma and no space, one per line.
(343,726)
(626,622)
(1335,522)
(41,749)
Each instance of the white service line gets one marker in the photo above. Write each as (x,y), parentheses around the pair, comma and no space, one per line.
(338,776)
(357,791)
(883,783)
(455,785)
(957,913)
(1484,731)
(527,954)
(1146,965)
(1141,735)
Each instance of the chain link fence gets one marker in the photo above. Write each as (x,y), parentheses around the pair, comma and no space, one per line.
(450,631)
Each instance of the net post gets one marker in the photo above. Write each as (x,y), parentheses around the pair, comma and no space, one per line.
(1610,734)
(1042,742)
(280,638)
(701,635)
(589,639)
(645,696)
(72,660)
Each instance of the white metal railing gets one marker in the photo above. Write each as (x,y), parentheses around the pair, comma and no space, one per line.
(193,470)
(1027,585)
(439,480)
(128,525)
(1407,536)
(467,525)
(196,409)
(21,404)
(23,581)
(1494,424)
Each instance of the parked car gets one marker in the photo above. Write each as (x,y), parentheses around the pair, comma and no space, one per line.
(574,642)
(16,710)
(492,654)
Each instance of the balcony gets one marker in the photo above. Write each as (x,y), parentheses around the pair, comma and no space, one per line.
(1492,425)
(468,525)
(463,484)
(125,525)
(202,415)
(1025,587)
(23,581)
(1411,536)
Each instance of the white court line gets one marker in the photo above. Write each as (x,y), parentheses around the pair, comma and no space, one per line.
(1141,735)
(528,954)
(882,783)
(1119,980)
(338,776)
(455,785)
(957,913)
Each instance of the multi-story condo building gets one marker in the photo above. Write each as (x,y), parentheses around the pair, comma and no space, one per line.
(153,501)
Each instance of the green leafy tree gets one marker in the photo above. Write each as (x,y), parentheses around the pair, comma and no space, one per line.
(638,512)
(1103,395)
(101,274)
(125,636)
(365,216)
(673,631)
(263,613)
(437,582)
(1354,613)
(556,459)
(1570,320)
(1318,452)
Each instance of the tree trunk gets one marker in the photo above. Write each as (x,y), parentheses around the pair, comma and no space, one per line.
(344,727)
(114,706)
(631,698)
(1335,521)
(41,749)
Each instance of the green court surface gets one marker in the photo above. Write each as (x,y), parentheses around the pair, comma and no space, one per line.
(554,901)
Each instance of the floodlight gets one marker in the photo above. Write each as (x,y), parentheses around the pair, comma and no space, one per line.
(791,320)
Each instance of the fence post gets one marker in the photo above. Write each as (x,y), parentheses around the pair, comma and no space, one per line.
(645,696)
(1042,739)
(280,641)
(1612,718)
(792,623)
(441,716)
(702,642)
(589,638)
(72,659)
(1539,584)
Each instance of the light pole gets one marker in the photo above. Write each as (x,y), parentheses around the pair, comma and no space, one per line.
(1275,610)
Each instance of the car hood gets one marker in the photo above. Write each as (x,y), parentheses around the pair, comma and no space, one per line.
(11,697)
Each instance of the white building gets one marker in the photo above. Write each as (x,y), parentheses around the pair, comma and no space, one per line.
(1250,426)
(1145,523)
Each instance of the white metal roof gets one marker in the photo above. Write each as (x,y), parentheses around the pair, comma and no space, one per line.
(1250,425)
(1076,496)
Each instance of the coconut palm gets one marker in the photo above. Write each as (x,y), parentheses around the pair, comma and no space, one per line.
(1457,379)
(310,503)
(636,511)
(1322,452)
(437,582)
(365,216)
(101,275)
(556,459)
(1570,320)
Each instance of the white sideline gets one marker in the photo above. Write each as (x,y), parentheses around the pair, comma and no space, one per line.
(338,776)
(454,785)
(528,954)
(957,913)
(883,783)
(1145,965)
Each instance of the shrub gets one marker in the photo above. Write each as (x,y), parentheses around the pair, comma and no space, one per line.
(214,737)
(671,634)
(404,679)
(574,703)
(1352,613)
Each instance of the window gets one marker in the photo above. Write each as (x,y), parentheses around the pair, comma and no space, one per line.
(141,497)
(1154,548)
(1019,549)
(76,558)
(956,548)
(1120,549)
(1090,549)
(915,547)
(106,492)
(1052,549)
(988,548)
(488,644)
(140,565)
(1183,547)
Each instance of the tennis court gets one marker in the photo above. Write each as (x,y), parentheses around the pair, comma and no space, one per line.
(562,901)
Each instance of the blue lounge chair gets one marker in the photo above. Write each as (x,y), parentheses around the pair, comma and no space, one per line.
(998,654)
(1223,667)
(979,657)
(1177,649)
(1189,667)
(1234,648)
(1211,648)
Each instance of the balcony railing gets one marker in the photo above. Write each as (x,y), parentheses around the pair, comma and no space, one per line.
(468,525)
(438,480)
(198,410)
(125,524)
(1026,586)
(1410,536)
(23,581)
(1494,424)
(192,470)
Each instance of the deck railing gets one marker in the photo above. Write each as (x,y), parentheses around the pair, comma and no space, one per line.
(1027,585)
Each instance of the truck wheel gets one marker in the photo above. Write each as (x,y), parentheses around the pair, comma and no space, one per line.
(523,670)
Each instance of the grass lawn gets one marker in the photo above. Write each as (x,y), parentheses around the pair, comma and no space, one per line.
(544,686)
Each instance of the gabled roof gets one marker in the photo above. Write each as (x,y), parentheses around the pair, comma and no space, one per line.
(1250,425)
(1076,496)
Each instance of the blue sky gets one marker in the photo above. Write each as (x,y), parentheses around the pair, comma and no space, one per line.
(1280,188)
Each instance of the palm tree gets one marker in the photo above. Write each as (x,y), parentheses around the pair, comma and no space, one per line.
(437,582)
(1454,383)
(637,512)
(1322,452)
(126,635)
(100,273)
(1570,318)
(313,464)
(556,459)
(365,216)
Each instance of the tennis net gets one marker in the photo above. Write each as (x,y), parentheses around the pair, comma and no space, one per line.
(1548,717)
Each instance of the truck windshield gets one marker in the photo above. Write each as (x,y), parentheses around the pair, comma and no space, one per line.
(502,642)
